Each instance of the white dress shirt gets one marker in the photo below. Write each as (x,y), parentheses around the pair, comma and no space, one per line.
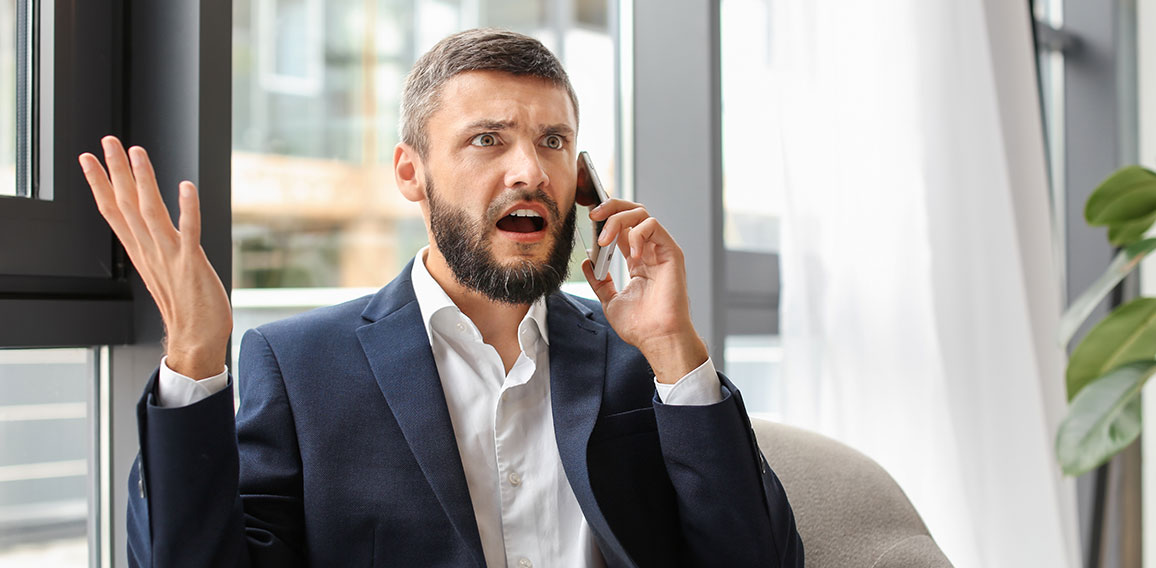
(526,512)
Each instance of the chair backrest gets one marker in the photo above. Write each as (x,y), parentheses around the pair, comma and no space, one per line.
(848,510)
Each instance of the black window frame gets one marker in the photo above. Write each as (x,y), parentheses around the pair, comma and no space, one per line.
(159,75)
(63,277)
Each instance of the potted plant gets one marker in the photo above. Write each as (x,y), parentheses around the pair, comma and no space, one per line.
(1110,366)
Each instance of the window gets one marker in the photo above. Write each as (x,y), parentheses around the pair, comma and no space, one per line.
(752,157)
(46,490)
(1088,70)
(1050,64)
(14,112)
(62,281)
(66,265)
(752,201)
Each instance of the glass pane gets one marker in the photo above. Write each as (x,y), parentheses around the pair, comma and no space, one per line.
(10,83)
(45,474)
(316,89)
(752,159)
(1051,82)
(591,13)
(754,365)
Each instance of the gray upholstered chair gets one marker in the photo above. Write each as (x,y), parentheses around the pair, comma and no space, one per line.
(849,511)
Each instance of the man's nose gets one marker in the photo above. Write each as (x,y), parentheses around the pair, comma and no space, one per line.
(524,167)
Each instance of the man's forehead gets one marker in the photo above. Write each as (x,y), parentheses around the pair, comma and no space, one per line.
(497,97)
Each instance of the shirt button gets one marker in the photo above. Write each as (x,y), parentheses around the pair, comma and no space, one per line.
(461,327)
(525,563)
(516,480)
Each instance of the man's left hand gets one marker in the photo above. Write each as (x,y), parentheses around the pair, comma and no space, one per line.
(652,311)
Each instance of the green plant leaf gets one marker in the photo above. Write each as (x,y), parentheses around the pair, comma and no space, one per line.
(1138,250)
(1103,419)
(1127,195)
(1126,261)
(1127,334)
(1123,234)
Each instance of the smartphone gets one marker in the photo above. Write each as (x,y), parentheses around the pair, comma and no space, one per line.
(591,194)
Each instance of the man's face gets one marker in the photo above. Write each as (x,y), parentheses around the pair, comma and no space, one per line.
(500,179)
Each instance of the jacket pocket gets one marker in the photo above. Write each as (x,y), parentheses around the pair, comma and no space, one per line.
(621,424)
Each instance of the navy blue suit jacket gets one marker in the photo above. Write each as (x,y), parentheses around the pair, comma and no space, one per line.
(342,454)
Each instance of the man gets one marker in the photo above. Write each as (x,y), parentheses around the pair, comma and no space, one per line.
(467,414)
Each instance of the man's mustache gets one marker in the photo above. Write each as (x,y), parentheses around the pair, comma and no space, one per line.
(497,209)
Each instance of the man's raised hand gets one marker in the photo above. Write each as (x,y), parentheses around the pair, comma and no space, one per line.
(652,311)
(192,301)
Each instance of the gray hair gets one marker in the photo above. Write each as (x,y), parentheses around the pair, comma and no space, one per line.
(472,50)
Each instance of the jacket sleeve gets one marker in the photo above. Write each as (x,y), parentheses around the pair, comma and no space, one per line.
(208,491)
(732,509)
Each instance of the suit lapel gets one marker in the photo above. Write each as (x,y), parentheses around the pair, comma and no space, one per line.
(398,350)
(578,349)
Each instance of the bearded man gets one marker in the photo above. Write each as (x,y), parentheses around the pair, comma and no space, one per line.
(468,414)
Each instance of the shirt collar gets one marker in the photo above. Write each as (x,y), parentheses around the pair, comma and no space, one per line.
(432,298)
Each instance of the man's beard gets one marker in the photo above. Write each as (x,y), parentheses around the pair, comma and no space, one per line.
(467,247)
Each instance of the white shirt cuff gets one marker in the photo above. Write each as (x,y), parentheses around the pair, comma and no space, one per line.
(699,387)
(176,390)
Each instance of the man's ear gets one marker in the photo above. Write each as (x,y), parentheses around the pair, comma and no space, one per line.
(407,171)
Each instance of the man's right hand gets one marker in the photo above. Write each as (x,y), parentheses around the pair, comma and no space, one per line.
(192,301)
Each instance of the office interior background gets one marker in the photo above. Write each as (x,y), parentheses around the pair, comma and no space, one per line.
(881,206)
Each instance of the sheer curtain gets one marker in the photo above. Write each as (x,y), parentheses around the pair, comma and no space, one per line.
(919,294)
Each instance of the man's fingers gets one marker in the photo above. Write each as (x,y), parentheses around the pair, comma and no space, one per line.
(619,221)
(103,193)
(152,207)
(648,236)
(119,171)
(604,289)
(190,220)
(610,207)
(624,242)
(124,188)
(101,190)
(638,236)
(105,197)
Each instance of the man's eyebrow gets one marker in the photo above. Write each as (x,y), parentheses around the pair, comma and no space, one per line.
(490,124)
(559,129)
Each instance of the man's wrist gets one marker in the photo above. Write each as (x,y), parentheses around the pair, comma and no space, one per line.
(673,357)
(195,363)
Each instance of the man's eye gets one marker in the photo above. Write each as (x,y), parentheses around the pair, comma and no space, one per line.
(484,140)
(553,142)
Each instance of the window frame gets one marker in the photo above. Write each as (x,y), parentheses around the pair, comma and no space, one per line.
(1091,132)
(158,75)
(676,94)
(674,91)
(66,285)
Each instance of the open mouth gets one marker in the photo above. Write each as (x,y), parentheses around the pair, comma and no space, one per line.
(522,221)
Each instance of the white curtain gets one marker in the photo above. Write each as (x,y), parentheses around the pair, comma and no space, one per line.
(920,299)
